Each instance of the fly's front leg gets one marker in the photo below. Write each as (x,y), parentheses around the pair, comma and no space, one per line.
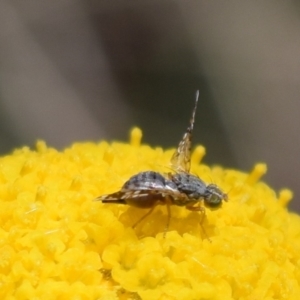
(200,209)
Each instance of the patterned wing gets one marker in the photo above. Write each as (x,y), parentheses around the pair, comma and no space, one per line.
(143,198)
(181,159)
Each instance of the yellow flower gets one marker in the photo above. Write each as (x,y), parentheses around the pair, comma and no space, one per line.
(57,243)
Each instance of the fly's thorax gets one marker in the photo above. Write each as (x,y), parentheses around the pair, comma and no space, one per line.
(214,196)
(190,185)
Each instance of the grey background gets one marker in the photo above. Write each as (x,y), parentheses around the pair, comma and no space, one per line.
(87,70)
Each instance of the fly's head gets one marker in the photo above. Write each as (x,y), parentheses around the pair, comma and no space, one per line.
(214,197)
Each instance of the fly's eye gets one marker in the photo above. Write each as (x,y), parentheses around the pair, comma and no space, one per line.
(213,200)
(214,196)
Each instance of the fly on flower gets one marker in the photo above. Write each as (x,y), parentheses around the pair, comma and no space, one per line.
(149,189)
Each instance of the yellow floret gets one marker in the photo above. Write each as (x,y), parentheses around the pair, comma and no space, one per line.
(57,243)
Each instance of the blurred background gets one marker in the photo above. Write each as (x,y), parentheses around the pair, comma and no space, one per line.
(73,70)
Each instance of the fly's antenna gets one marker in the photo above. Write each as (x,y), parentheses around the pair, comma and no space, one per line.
(236,188)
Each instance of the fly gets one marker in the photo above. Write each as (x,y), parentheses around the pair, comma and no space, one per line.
(148,189)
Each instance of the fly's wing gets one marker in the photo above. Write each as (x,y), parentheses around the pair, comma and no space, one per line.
(181,159)
(142,198)
(143,190)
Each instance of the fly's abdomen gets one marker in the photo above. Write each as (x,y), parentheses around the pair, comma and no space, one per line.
(148,180)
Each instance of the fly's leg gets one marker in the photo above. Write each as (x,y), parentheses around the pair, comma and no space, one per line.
(144,216)
(168,203)
(168,219)
(200,209)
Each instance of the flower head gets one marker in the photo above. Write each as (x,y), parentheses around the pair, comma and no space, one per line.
(57,243)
